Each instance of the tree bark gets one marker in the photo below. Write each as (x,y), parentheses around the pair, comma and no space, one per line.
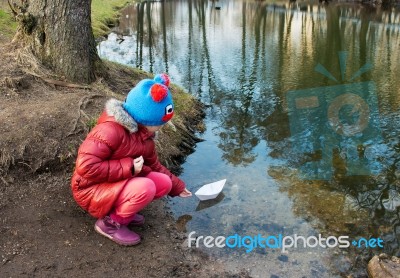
(61,36)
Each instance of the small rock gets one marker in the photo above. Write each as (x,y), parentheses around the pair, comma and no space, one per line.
(384,266)
(283,258)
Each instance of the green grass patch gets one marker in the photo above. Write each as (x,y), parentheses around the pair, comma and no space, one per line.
(8,26)
(105,14)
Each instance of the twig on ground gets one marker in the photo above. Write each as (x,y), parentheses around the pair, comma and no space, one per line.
(26,164)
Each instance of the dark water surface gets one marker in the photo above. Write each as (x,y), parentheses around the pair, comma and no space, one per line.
(303,122)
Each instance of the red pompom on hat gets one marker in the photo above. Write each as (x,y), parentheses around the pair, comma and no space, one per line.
(158,92)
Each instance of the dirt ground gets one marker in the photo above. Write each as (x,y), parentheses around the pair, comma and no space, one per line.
(43,232)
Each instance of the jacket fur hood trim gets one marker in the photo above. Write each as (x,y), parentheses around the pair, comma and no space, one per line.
(114,108)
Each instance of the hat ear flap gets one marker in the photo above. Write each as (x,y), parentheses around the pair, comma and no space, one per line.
(162,79)
(158,92)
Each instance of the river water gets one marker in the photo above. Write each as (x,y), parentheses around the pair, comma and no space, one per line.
(302,120)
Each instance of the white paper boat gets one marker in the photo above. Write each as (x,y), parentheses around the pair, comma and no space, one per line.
(210,191)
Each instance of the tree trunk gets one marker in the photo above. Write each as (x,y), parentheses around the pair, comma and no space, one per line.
(60,35)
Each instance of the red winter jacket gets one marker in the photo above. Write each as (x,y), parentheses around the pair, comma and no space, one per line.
(105,160)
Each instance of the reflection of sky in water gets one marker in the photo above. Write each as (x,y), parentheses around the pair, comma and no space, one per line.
(243,64)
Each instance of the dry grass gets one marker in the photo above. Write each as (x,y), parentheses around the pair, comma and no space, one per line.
(6,159)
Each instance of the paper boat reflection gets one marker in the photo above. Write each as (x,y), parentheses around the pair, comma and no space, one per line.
(209,203)
(210,191)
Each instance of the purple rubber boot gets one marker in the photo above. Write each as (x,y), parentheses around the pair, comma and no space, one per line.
(138,220)
(116,232)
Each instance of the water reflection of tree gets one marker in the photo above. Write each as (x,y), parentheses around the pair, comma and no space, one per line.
(164,32)
(145,29)
(237,137)
(140,34)
(234,106)
(198,73)
(187,74)
(150,34)
(254,99)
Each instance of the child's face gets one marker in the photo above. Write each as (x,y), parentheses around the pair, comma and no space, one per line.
(153,128)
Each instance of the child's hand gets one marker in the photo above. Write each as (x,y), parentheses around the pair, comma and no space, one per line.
(138,164)
(185,193)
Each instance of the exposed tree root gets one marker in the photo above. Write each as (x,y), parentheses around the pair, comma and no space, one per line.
(58,82)
(83,102)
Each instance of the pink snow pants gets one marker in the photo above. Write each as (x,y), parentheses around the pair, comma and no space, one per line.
(137,194)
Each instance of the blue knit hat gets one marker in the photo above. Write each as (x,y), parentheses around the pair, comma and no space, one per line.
(150,101)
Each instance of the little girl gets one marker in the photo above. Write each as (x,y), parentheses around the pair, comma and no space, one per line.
(117,170)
